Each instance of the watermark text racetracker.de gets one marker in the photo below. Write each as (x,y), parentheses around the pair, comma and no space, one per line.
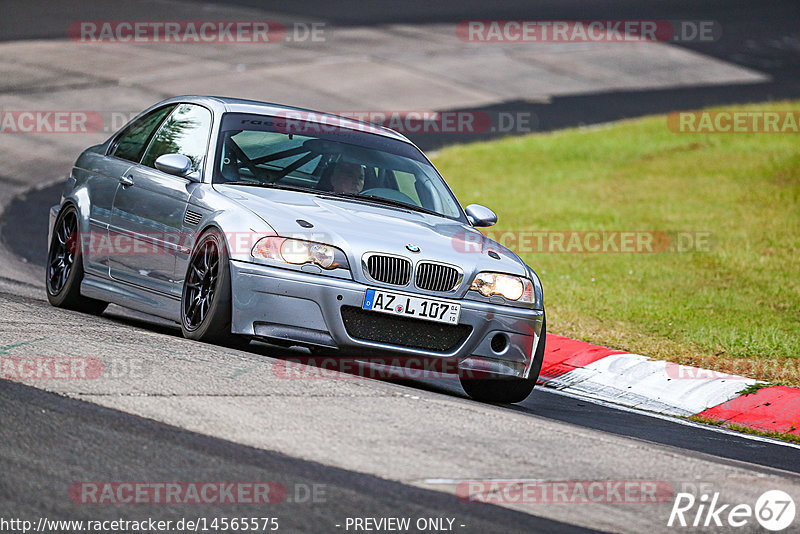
(69,368)
(379,368)
(196,31)
(734,121)
(587,241)
(583,31)
(51,121)
(195,492)
(471,121)
(533,491)
(738,369)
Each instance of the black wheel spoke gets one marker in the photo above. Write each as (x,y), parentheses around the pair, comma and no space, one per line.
(201,282)
(55,278)
(198,310)
(63,232)
(63,251)
(191,309)
(202,309)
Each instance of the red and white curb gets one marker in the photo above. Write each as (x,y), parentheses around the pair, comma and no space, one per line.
(635,381)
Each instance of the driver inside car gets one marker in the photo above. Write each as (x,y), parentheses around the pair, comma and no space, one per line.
(347,177)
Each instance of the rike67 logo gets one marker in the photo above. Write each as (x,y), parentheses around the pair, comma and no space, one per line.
(774,510)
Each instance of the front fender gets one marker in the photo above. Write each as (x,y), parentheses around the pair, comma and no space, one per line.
(241,227)
(54,210)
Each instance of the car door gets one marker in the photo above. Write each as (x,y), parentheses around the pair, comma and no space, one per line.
(148,210)
(104,172)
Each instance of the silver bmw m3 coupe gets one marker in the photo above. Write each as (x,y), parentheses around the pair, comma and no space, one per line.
(246,220)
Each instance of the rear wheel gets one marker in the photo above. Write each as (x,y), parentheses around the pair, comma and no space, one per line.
(206,298)
(482,387)
(65,266)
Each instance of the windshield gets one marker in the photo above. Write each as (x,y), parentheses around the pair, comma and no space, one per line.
(265,151)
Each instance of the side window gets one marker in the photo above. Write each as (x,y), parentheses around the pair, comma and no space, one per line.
(185,132)
(131,143)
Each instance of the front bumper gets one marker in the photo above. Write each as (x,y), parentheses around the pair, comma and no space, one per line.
(298,308)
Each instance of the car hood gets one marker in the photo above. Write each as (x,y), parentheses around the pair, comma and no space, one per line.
(358,227)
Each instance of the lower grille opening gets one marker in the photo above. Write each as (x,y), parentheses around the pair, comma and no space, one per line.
(402,331)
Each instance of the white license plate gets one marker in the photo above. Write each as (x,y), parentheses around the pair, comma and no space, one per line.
(404,305)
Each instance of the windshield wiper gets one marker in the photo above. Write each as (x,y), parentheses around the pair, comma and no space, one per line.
(381,200)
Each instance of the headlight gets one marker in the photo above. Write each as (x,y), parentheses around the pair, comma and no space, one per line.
(510,287)
(298,252)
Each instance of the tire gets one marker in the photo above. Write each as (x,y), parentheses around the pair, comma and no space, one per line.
(206,296)
(483,388)
(64,270)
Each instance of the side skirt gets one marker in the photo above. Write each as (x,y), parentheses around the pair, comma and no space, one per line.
(131,296)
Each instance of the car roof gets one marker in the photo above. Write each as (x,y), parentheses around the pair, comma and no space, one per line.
(241,105)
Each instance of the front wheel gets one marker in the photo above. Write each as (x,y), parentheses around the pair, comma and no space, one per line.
(483,388)
(206,298)
(65,266)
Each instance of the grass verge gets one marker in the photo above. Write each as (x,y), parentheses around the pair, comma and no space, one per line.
(730,303)
(793,438)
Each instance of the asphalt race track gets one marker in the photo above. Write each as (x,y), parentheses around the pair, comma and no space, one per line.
(174,410)
(92,441)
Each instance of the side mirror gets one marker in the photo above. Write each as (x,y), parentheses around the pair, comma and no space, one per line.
(176,164)
(480,216)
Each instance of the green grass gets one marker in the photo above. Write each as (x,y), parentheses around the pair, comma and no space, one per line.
(752,389)
(785,436)
(735,308)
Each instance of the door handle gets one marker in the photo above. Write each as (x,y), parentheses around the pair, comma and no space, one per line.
(126,181)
